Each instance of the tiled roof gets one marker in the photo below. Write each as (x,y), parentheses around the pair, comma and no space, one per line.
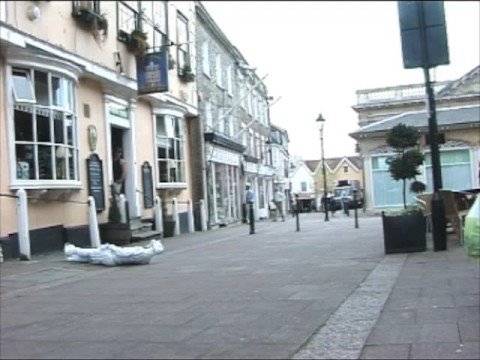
(312,164)
(332,163)
(445,117)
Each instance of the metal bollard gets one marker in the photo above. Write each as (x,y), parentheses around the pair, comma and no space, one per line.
(355,209)
(252,219)
(297,212)
(298,220)
(93,223)
(439,231)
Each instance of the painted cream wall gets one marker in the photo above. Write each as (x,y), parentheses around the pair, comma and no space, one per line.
(69,34)
(352,174)
(368,145)
(63,30)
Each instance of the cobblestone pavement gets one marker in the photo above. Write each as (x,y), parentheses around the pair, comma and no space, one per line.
(326,291)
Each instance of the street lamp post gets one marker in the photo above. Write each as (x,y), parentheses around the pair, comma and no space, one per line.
(320,120)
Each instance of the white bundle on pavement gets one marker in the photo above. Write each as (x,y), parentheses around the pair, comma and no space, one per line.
(112,255)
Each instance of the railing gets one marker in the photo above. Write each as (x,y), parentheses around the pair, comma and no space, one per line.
(24,232)
(22,220)
(396,93)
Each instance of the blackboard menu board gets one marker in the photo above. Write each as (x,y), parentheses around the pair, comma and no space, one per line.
(95,181)
(147,185)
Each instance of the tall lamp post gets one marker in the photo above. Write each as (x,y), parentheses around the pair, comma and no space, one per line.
(320,121)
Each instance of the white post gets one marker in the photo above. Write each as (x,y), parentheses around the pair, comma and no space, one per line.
(175,216)
(23,232)
(93,223)
(158,214)
(203,215)
(191,226)
(121,203)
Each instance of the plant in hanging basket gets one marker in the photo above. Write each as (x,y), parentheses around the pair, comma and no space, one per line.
(186,74)
(91,19)
(137,42)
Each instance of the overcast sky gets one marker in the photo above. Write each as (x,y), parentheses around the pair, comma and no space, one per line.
(318,54)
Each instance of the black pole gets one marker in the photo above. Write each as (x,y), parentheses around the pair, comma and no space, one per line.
(298,220)
(252,218)
(355,208)
(324,175)
(439,231)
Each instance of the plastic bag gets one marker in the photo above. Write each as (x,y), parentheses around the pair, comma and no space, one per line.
(472,229)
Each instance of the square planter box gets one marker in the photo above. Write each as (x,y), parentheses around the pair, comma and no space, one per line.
(404,233)
(115,233)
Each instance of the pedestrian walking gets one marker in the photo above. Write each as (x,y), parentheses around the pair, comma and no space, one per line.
(278,199)
(249,200)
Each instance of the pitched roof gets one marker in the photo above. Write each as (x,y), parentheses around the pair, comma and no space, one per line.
(455,84)
(332,163)
(466,115)
(312,164)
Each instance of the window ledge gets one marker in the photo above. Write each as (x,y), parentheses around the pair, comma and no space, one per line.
(182,186)
(37,194)
(28,185)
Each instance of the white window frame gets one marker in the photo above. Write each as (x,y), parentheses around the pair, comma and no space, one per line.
(220,120)
(206,59)
(229,80)
(208,116)
(218,70)
(3,11)
(231,130)
(249,100)
(183,47)
(58,150)
(171,163)
(29,81)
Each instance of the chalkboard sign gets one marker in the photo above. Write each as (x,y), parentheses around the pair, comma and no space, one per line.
(147,185)
(95,181)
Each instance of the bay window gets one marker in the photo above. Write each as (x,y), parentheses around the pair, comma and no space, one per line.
(44,126)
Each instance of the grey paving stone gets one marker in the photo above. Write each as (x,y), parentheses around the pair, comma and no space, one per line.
(446,350)
(467,300)
(447,315)
(385,352)
(469,331)
(397,317)
(410,334)
(255,351)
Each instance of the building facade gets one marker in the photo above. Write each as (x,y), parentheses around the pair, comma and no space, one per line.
(458,119)
(70,100)
(280,160)
(233,127)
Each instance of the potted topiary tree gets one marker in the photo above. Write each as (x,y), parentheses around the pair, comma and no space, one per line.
(404,230)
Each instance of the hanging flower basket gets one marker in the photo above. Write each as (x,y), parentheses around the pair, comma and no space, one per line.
(137,43)
(91,19)
(186,74)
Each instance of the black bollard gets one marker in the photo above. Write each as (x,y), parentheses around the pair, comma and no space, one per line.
(298,220)
(252,219)
(355,204)
(438,223)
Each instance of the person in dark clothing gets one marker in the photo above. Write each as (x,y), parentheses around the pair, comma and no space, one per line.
(119,171)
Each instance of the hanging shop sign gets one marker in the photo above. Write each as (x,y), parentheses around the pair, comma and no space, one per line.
(152,73)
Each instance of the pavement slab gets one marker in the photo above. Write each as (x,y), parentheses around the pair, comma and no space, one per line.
(227,294)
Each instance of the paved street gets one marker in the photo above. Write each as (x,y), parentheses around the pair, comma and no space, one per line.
(327,291)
